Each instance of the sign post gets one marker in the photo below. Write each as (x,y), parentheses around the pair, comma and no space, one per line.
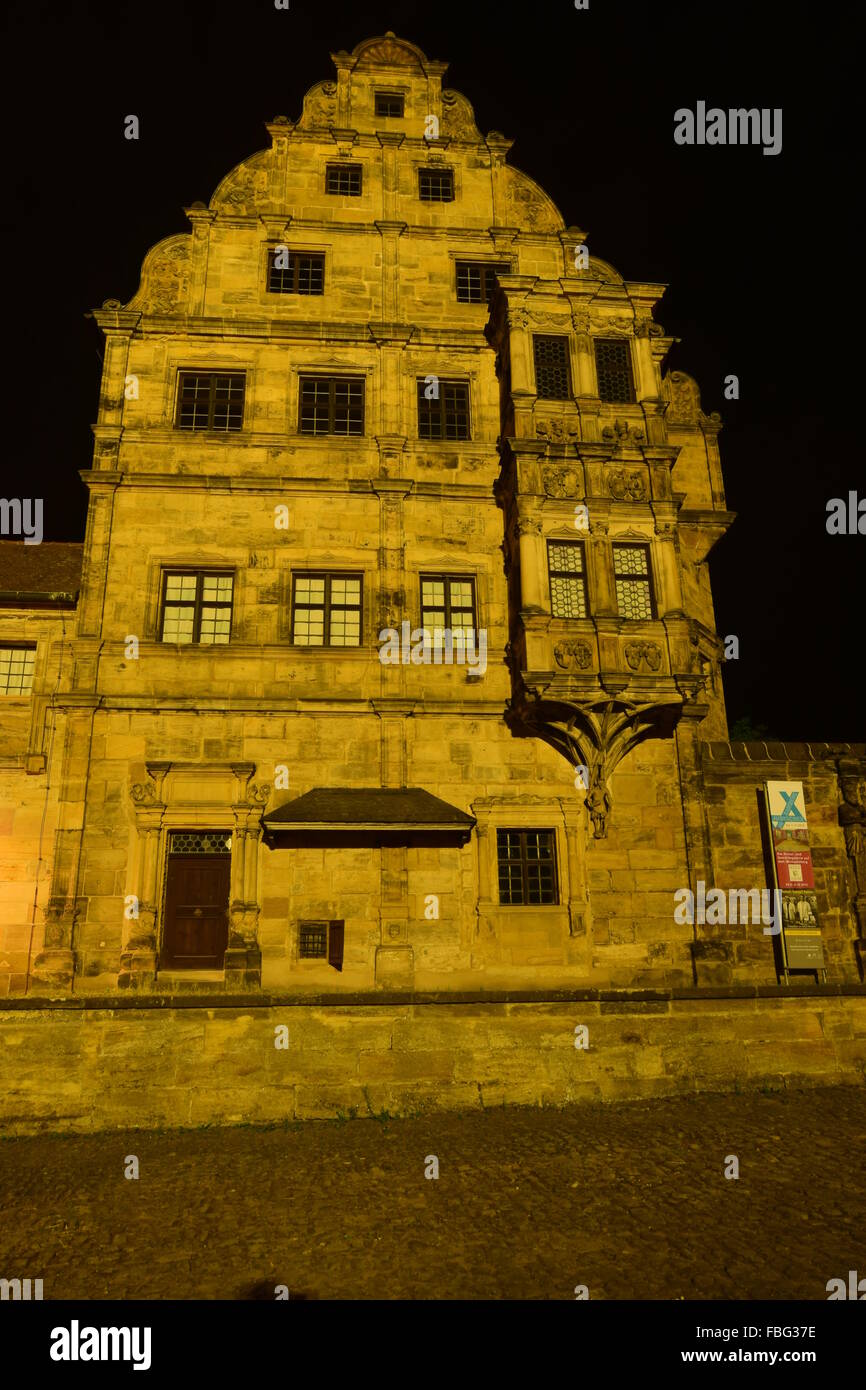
(794,878)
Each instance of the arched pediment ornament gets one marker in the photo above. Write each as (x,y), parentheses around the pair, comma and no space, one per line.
(244,190)
(684,398)
(458,117)
(320,107)
(528,205)
(165,277)
(389,51)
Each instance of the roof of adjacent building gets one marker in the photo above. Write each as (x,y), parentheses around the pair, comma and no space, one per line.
(49,571)
(332,807)
(45,573)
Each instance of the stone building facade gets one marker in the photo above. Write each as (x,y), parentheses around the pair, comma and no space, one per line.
(380,388)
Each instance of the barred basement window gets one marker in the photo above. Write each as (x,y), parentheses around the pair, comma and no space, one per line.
(295,272)
(448,603)
(527,867)
(436,185)
(196,607)
(16,669)
(210,401)
(331,405)
(326,610)
(389,104)
(476,280)
(613,368)
(343,179)
(447,415)
(566,564)
(631,569)
(200,842)
(552,375)
(322,941)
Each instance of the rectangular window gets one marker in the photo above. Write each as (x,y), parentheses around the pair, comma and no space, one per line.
(295,272)
(436,185)
(16,669)
(613,368)
(322,941)
(343,179)
(389,103)
(566,563)
(631,569)
(527,867)
(552,375)
(448,604)
(196,607)
(446,414)
(476,280)
(210,401)
(326,610)
(331,405)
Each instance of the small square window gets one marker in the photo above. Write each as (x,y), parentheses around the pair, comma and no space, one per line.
(197,607)
(322,941)
(295,272)
(344,180)
(389,103)
(527,867)
(331,405)
(476,280)
(16,669)
(436,185)
(444,415)
(210,401)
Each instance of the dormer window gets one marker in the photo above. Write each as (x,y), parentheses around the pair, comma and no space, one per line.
(389,103)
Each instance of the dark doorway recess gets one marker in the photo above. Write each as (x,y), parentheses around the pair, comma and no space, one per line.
(196,912)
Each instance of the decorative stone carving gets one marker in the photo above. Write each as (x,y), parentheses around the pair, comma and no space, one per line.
(598,808)
(685,399)
(529,526)
(517,318)
(626,485)
(166,279)
(144,794)
(320,106)
(620,432)
(389,50)
(580,321)
(539,318)
(852,818)
(557,431)
(573,656)
(616,326)
(560,482)
(643,653)
(458,117)
(528,205)
(647,328)
(259,792)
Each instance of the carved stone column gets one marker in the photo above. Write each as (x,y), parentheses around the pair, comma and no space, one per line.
(243,958)
(531,560)
(139,954)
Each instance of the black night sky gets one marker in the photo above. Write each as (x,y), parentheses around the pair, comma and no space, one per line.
(758,250)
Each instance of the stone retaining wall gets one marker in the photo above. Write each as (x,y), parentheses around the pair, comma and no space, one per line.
(79,1065)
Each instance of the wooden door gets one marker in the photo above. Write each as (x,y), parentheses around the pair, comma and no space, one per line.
(196,911)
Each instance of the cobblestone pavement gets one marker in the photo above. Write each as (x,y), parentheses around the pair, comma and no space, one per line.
(629,1199)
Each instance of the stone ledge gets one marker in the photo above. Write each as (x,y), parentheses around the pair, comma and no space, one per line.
(387,998)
